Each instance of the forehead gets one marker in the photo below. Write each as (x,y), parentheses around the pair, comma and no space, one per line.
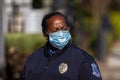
(55,18)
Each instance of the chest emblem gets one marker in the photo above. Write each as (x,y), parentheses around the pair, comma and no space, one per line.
(63,67)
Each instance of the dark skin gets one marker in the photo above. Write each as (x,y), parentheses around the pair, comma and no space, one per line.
(55,23)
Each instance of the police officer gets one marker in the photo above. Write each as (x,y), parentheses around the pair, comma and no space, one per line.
(59,59)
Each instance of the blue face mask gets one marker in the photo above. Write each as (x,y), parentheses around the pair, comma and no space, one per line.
(59,39)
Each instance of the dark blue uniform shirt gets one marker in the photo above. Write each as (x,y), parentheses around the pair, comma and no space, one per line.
(70,63)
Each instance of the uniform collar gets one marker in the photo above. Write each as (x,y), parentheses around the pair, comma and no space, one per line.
(57,53)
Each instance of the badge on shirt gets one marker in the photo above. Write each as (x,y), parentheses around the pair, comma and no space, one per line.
(63,67)
(95,70)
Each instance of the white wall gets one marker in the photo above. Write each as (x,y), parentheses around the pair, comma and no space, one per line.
(32,21)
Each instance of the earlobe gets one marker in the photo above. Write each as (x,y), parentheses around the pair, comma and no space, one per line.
(44,35)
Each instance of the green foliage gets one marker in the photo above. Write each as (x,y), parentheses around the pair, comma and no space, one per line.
(115,20)
(24,43)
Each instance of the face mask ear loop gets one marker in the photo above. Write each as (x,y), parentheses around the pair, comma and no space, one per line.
(46,33)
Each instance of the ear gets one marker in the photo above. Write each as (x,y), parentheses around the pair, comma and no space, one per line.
(46,36)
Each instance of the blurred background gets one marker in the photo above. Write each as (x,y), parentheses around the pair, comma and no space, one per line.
(95,27)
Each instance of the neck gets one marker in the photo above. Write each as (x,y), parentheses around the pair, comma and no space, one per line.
(52,47)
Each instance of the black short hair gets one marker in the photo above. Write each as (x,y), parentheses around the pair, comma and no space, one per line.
(48,16)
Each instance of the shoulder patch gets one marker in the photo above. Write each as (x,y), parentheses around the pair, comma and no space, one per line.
(95,70)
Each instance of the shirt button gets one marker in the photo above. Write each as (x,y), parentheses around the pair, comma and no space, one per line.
(46,68)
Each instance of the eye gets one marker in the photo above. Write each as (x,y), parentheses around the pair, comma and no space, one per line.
(65,29)
(54,30)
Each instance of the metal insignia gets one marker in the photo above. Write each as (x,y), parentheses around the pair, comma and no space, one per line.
(63,67)
(95,70)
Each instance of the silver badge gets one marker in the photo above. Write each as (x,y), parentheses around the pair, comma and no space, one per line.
(63,67)
(95,70)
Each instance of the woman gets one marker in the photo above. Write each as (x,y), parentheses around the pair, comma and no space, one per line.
(59,59)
